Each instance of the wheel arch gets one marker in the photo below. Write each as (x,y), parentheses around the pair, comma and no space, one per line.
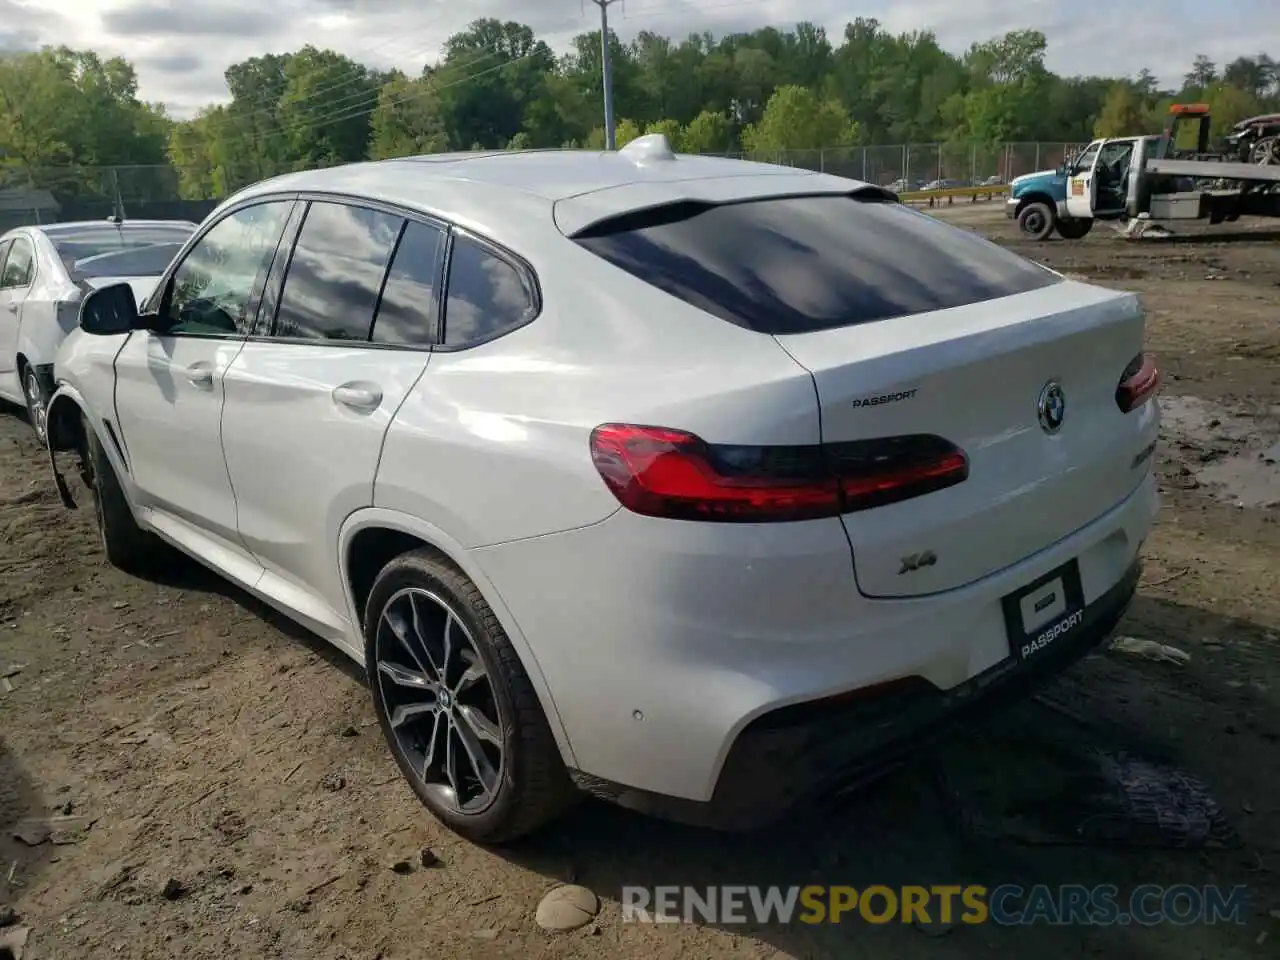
(371,537)
(64,419)
(1036,197)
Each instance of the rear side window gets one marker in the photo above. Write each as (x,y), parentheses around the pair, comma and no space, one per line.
(488,295)
(407,313)
(335,274)
(19,266)
(800,264)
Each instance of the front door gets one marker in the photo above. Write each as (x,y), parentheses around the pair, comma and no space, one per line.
(1111,178)
(308,405)
(169,382)
(1080,183)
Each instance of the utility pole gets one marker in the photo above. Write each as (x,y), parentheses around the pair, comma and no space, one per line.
(607,68)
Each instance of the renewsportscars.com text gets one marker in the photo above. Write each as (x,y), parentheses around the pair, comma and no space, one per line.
(1007,904)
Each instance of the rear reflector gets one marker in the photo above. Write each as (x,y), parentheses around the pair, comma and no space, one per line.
(1138,383)
(660,472)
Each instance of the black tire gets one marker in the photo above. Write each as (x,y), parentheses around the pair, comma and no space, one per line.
(37,398)
(532,785)
(128,547)
(1036,220)
(1073,229)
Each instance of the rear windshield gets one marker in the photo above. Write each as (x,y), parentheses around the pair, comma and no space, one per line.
(137,262)
(92,240)
(799,264)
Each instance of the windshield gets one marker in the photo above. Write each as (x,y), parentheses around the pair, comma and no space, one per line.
(80,246)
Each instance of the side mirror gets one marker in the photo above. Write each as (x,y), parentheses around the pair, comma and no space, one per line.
(109,310)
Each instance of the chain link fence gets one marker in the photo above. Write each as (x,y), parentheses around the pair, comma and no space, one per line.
(50,194)
(916,166)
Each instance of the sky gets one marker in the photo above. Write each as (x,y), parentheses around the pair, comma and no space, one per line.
(181,47)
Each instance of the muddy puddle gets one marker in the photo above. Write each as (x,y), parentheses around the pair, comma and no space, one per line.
(1234,455)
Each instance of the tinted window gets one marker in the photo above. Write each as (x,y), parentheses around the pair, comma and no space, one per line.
(92,239)
(331,288)
(19,266)
(213,289)
(800,264)
(487,295)
(407,313)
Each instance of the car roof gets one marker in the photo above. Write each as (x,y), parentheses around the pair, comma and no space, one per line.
(75,226)
(577,187)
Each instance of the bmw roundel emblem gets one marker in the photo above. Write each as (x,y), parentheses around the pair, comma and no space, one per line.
(1052,407)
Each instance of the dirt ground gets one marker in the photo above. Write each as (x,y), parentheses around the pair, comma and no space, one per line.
(238,800)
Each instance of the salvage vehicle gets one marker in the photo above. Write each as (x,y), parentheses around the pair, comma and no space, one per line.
(1256,140)
(44,274)
(703,486)
(1061,200)
(1149,178)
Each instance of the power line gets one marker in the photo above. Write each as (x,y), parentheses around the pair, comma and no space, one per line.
(339,116)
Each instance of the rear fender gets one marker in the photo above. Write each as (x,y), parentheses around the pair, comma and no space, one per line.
(43,328)
(453,550)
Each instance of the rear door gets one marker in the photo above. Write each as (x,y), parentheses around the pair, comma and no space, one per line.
(349,332)
(16,276)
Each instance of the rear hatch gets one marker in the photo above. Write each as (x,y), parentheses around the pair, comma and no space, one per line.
(975,375)
(932,352)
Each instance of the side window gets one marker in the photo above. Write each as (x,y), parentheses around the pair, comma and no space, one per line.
(407,312)
(19,266)
(1085,160)
(212,290)
(4,251)
(488,295)
(335,275)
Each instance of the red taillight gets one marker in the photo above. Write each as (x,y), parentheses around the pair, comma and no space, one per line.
(1138,383)
(661,472)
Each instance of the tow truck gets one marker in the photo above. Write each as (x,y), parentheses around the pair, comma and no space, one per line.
(1145,179)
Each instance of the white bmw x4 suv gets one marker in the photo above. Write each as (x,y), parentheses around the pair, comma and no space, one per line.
(699,485)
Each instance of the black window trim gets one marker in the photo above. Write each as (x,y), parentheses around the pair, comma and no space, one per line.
(6,244)
(273,279)
(516,262)
(159,298)
(273,288)
(308,197)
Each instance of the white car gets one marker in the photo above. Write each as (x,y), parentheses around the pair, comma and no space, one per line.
(696,484)
(44,272)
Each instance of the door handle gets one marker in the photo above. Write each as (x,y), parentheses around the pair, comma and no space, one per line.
(364,397)
(200,374)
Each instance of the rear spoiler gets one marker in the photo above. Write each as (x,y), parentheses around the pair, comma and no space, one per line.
(675,209)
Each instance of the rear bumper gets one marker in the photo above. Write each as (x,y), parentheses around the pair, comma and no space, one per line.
(661,643)
(807,752)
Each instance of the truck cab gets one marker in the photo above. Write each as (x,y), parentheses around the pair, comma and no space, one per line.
(1091,186)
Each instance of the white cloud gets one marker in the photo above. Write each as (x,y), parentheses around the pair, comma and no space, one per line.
(182,47)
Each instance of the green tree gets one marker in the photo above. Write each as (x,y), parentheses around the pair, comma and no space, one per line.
(708,132)
(671,130)
(1123,113)
(324,111)
(408,120)
(796,119)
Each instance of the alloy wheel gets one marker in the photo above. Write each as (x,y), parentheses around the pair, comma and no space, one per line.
(35,404)
(439,700)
